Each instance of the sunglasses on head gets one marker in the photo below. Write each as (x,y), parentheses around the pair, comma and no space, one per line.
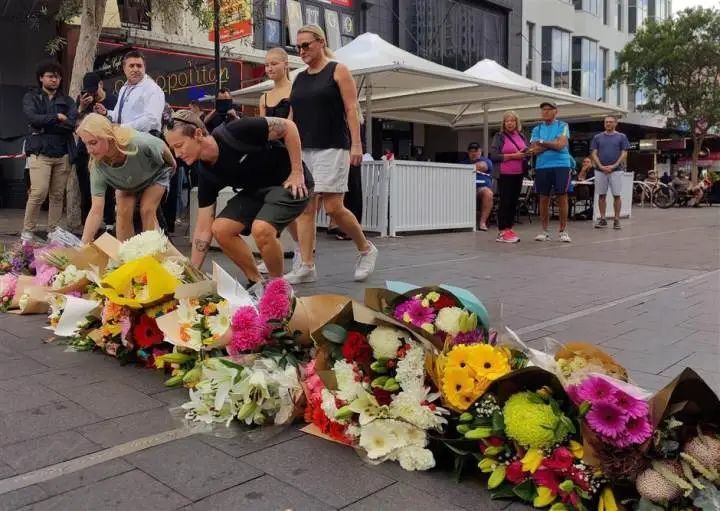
(173,120)
(304,46)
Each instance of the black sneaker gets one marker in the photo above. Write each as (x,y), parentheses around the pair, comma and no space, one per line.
(601,224)
(616,225)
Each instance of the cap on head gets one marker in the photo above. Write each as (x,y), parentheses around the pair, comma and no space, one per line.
(473,146)
(548,104)
(90,82)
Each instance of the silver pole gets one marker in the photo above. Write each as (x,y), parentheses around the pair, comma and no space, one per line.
(368,116)
(486,130)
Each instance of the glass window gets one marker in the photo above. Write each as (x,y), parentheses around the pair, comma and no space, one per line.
(530,69)
(620,11)
(585,68)
(616,87)
(577,66)
(603,65)
(556,58)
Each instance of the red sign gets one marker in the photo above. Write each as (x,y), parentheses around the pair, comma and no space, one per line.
(236,19)
(344,3)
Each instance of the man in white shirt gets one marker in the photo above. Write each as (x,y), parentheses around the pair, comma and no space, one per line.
(140,100)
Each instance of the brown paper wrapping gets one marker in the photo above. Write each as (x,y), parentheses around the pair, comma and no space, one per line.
(688,398)
(37,301)
(313,312)
(589,351)
(79,286)
(23,283)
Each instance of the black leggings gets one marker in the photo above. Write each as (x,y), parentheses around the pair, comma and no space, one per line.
(509,187)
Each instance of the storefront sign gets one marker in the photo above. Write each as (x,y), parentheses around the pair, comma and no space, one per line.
(235,18)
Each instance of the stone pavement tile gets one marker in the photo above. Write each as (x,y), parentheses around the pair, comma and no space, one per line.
(43,420)
(172,397)
(312,465)
(470,493)
(86,477)
(6,470)
(647,339)
(129,427)
(132,490)
(21,394)
(110,399)
(401,496)
(147,381)
(653,361)
(706,361)
(56,356)
(192,468)
(24,366)
(44,451)
(262,494)
(67,377)
(251,441)
(30,330)
(705,326)
(647,381)
(710,377)
(17,499)
(702,341)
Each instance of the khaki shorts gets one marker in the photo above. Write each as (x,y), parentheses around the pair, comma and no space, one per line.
(329,167)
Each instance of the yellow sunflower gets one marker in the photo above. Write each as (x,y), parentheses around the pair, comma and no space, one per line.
(459,388)
(488,361)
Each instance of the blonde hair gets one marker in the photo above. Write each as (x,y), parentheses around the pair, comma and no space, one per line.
(283,55)
(100,126)
(319,34)
(512,113)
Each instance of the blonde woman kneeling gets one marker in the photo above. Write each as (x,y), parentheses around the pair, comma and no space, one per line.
(134,164)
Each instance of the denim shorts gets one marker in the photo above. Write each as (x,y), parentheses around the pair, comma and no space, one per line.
(163,179)
(554,178)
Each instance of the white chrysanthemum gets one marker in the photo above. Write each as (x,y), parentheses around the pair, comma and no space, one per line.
(448,320)
(415,458)
(379,438)
(69,275)
(148,243)
(219,323)
(328,404)
(174,268)
(406,406)
(188,313)
(348,388)
(385,341)
(410,371)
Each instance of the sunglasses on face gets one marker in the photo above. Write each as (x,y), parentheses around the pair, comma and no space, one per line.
(304,46)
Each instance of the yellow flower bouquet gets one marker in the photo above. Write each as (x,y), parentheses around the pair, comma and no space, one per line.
(138,283)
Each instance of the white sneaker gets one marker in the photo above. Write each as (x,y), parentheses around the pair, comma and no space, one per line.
(297,260)
(366,263)
(262,268)
(302,275)
(543,236)
(27,236)
(565,237)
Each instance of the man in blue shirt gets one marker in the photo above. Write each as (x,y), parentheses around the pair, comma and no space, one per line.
(483,183)
(549,142)
(609,151)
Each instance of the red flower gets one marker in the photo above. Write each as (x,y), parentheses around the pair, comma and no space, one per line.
(443,302)
(514,473)
(356,348)
(547,478)
(561,459)
(495,441)
(382,396)
(579,477)
(146,332)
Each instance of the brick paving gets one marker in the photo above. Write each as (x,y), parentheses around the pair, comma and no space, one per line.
(648,294)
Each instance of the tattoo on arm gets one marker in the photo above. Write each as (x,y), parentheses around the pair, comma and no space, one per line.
(202,245)
(277,128)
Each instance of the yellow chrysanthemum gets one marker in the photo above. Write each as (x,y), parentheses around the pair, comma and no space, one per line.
(458,387)
(488,361)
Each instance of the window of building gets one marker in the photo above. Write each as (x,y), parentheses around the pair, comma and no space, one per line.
(637,14)
(530,68)
(594,7)
(658,10)
(616,88)
(456,34)
(605,7)
(585,72)
(603,66)
(619,15)
(555,67)
(135,14)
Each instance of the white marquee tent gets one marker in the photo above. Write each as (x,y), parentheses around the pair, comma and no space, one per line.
(395,84)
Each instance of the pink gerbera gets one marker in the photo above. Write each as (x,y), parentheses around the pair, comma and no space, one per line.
(275,302)
(638,430)
(248,330)
(597,390)
(606,419)
(417,314)
(573,392)
(633,408)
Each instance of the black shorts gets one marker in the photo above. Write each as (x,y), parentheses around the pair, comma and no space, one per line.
(274,205)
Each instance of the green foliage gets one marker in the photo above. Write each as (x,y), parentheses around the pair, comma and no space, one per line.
(677,64)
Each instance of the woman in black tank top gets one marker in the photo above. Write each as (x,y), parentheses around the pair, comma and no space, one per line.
(276,102)
(325,110)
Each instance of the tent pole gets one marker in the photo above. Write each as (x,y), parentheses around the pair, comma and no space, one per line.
(486,130)
(368,116)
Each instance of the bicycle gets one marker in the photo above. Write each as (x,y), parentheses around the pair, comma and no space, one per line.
(658,194)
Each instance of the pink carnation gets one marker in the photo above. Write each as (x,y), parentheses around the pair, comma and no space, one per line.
(45,274)
(249,330)
(275,302)
(7,285)
(313,383)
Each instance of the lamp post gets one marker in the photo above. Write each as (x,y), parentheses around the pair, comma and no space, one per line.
(216,22)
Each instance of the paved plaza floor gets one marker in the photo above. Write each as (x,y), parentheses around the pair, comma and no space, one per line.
(78,431)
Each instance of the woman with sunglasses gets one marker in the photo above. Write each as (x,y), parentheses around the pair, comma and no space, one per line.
(246,154)
(324,107)
(135,164)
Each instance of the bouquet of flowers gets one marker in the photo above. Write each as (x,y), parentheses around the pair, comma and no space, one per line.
(115,331)
(256,393)
(57,306)
(381,398)
(314,413)
(145,244)
(18,259)
(138,283)
(204,323)
(8,282)
(577,360)
(70,279)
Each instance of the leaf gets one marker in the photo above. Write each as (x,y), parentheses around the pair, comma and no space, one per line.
(231,364)
(504,491)
(525,491)
(334,333)
(707,499)
(457,451)
(498,422)
(646,505)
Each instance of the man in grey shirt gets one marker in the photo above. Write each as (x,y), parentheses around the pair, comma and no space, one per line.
(609,152)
